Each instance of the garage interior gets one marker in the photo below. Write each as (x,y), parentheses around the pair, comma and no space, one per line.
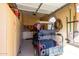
(18,20)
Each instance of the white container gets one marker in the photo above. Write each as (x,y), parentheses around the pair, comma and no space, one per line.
(27,35)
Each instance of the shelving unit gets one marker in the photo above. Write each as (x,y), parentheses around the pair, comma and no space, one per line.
(46,36)
(74,33)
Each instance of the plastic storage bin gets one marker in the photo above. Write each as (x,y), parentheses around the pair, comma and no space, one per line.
(47,45)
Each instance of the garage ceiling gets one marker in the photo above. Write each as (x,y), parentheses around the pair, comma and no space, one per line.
(46,8)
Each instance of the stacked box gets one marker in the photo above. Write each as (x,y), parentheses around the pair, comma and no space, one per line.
(47,44)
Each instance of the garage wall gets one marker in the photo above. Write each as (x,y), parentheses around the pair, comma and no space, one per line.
(13,32)
(77,14)
(62,14)
(9,31)
(28,19)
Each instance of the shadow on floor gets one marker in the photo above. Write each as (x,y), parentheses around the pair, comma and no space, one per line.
(27,48)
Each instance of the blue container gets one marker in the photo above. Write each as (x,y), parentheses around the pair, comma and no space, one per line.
(46,32)
(48,43)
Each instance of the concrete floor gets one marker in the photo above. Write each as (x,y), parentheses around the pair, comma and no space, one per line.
(27,48)
(70,50)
